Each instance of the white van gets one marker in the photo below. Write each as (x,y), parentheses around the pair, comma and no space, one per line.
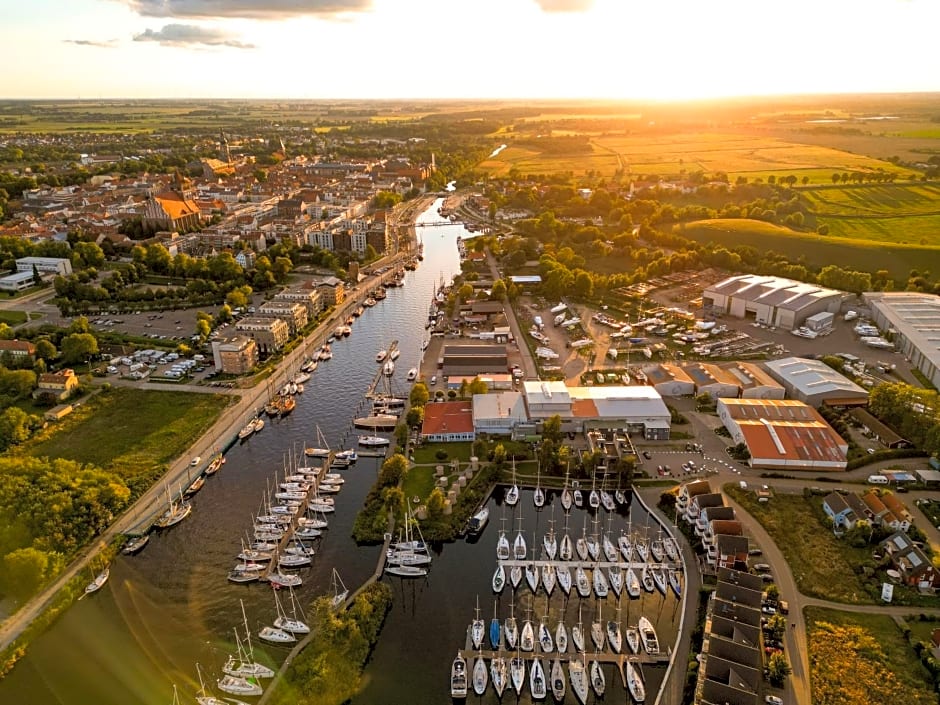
(877,480)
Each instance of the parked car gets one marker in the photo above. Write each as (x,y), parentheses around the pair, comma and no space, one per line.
(761,567)
(646,454)
(755,552)
(773,700)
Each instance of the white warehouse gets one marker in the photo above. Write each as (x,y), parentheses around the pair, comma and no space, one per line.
(771,300)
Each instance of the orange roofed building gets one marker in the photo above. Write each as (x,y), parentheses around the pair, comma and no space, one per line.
(783,433)
(173,210)
(448,422)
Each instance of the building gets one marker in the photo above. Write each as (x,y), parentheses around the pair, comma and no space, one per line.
(912,563)
(813,382)
(773,301)
(44,265)
(175,211)
(842,515)
(783,433)
(713,381)
(914,319)
(310,298)
(669,380)
(235,356)
(292,313)
(269,334)
(332,291)
(56,385)
(471,360)
(498,414)
(18,281)
(754,382)
(686,493)
(731,552)
(885,435)
(448,422)
(635,409)
(17,348)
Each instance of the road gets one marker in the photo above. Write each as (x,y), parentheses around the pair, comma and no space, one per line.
(528,364)
(139,516)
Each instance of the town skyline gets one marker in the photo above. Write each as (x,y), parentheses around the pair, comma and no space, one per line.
(577,49)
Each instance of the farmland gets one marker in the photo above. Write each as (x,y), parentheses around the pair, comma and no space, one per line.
(817,250)
(735,153)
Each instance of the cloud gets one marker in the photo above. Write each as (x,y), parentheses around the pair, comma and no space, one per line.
(188,35)
(247,9)
(98,43)
(565,5)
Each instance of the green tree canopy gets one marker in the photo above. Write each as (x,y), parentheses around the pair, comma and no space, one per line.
(78,347)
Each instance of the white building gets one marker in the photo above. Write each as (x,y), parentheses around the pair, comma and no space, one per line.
(915,320)
(815,383)
(498,414)
(45,265)
(771,300)
(18,281)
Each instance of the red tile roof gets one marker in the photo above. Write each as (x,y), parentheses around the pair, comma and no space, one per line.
(447,417)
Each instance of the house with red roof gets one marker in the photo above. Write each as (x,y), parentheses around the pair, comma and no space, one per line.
(448,422)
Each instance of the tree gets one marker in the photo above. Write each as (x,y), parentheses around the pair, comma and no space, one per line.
(435,503)
(393,498)
(25,570)
(16,426)
(236,298)
(464,388)
(419,394)
(415,416)
(45,350)
(465,292)
(477,386)
(778,669)
(78,347)
(203,328)
(37,280)
(281,268)
(773,592)
(498,292)
(551,429)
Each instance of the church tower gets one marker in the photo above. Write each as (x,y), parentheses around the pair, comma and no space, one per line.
(224,154)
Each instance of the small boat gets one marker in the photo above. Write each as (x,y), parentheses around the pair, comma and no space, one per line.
(273,635)
(527,637)
(98,582)
(394,354)
(594,499)
(626,547)
(635,683)
(499,675)
(499,578)
(458,677)
(215,465)
(608,501)
(239,685)
(615,574)
(621,497)
(195,486)
(512,496)
(515,576)
(517,673)
(284,579)
(350,455)
(406,571)
(566,498)
(478,521)
(502,547)
(135,545)
(558,680)
(674,582)
(649,583)
(479,675)
(563,575)
(373,441)
(317,452)
(598,682)
(548,578)
(614,636)
(600,583)
(578,679)
(657,550)
(648,637)
(477,629)
(246,430)
(340,592)
(538,497)
(672,552)
(545,638)
(578,499)
(633,639)
(565,550)
(561,637)
(389,368)
(537,685)
(412,374)
(425,343)
(532,577)
(581,582)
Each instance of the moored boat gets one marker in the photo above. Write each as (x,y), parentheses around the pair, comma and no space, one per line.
(135,545)
(648,636)
(635,683)
(577,677)
(98,582)
(458,677)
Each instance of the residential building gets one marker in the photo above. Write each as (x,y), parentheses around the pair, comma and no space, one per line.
(731,552)
(310,298)
(449,421)
(783,433)
(898,509)
(237,355)
(44,265)
(697,504)
(912,563)
(292,313)
(882,433)
(269,334)
(57,385)
(687,492)
(17,348)
(773,301)
(332,291)
(842,515)
(716,528)
(813,382)
(498,414)
(914,319)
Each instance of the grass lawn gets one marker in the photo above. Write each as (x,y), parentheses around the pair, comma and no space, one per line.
(920,630)
(818,250)
(885,667)
(427,453)
(418,482)
(12,318)
(130,431)
(822,565)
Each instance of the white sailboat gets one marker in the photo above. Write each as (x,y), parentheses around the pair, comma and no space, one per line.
(597,630)
(204,697)
(538,497)
(273,635)
(563,575)
(290,623)
(598,681)
(558,680)
(517,672)
(477,628)
(635,682)
(512,494)
(549,542)
(340,591)
(244,665)
(519,548)
(238,685)
(499,675)
(577,677)
(511,628)
(577,634)
(537,685)
(499,578)
(545,638)
(561,637)
(479,675)
(548,578)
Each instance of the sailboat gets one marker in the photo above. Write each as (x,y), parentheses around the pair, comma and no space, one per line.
(657,549)
(582,582)
(558,680)
(565,550)
(578,679)
(340,592)
(659,578)
(549,542)
(495,630)
(519,547)
(527,639)
(635,682)
(502,545)
(577,633)
(517,672)
(244,665)
(548,578)
(458,677)
(649,584)
(563,575)
(292,623)
(321,451)
(594,499)
(614,636)
(597,630)
(477,628)
(633,639)
(561,637)
(566,497)
(479,675)
(537,684)
(98,582)
(580,544)
(598,681)
(532,576)
(669,545)
(511,629)
(578,499)
(203,697)
(515,576)
(625,544)
(177,510)
(238,685)
(273,635)
(499,675)
(512,494)
(538,497)
(615,574)
(674,581)
(545,638)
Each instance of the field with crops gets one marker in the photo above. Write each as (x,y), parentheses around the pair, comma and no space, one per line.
(817,250)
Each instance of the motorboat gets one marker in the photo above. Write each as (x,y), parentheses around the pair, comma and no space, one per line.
(598,681)
(537,685)
(479,675)
(648,636)
(98,582)
(635,683)
(478,521)
(373,441)
(577,677)
(458,677)
(412,374)
(558,680)
(273,635)
(135,545)
(578,499)
(350,455)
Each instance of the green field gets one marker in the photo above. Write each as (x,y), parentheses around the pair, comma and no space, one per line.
(12,318)
(888,664)
(737,154)
(817,250)
(131,431)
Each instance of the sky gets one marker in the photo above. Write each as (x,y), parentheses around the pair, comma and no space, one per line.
(380,49)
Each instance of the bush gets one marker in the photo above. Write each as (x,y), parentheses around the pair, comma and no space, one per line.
(441,454)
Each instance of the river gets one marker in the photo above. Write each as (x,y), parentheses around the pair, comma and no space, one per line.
(171,606)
